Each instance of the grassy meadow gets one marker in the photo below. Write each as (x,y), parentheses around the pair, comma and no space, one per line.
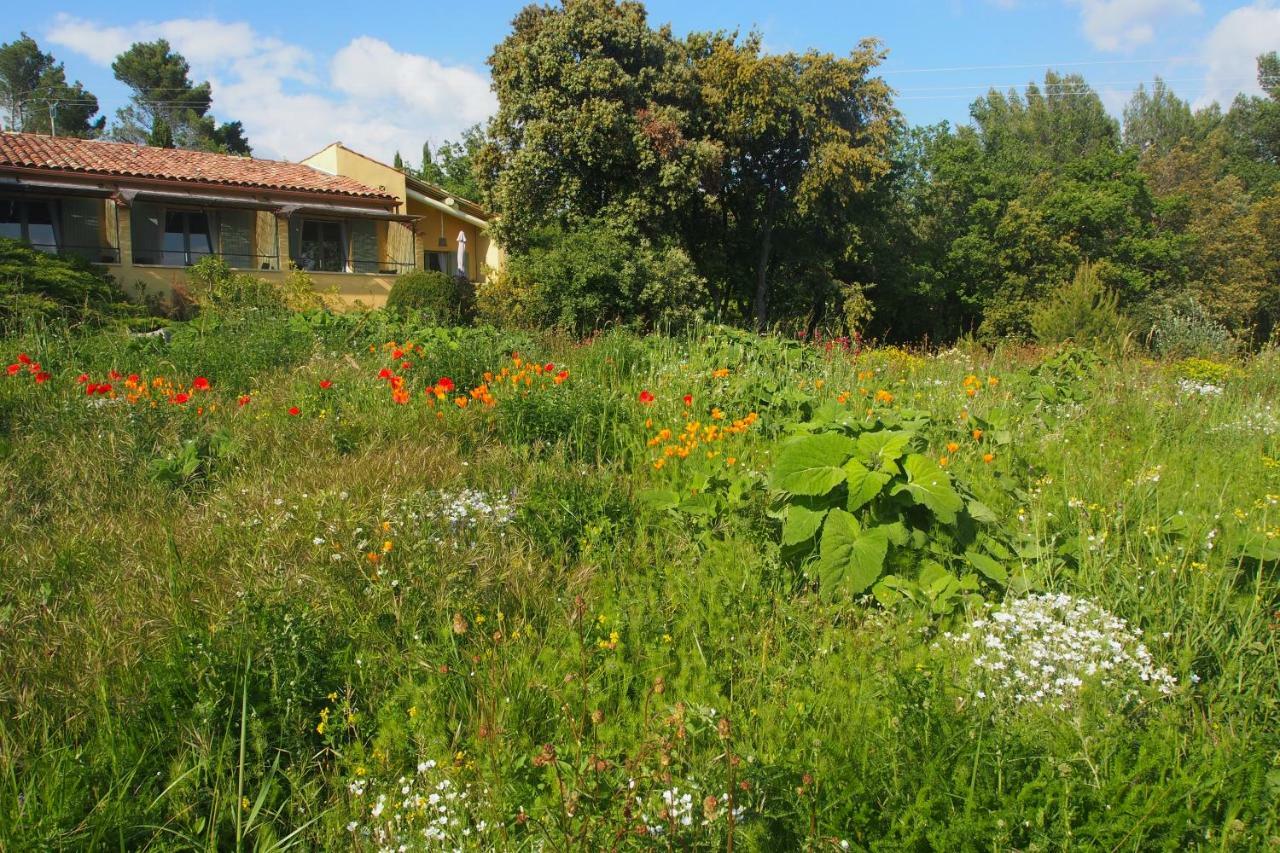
(337,582)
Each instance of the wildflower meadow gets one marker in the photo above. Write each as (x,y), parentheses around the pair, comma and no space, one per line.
(343,582)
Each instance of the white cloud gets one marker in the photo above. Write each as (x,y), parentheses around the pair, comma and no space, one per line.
(1116,25)
(1232,48)
(373,98)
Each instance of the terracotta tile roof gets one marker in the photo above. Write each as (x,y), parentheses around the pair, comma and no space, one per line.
(121,160)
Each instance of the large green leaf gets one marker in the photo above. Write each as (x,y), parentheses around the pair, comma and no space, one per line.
(659,499)
(929,485)
(864,484)
(987,565)
(800,523)
(878,449)
(850,558)
(810,464)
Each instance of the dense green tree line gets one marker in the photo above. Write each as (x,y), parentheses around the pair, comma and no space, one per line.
(786,188)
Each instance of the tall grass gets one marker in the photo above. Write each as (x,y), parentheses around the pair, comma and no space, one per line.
(217,662)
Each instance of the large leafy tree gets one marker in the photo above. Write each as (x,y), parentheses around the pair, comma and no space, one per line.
(1253,131)
(590,125)
(36,97)
(167,108)
(1157,120)
(800,139)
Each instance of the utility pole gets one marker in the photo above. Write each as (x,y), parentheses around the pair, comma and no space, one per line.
(53,112)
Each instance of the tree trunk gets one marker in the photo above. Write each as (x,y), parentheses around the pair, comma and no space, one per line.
(761,302)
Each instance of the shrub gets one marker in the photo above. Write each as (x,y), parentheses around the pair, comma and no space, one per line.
(214,285)
(585,279)
(431,297)
(1085,311)
(1205,370)
(507,301)
(37,284)
(1184,329)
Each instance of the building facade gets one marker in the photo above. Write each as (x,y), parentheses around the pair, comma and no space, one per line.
(146,214)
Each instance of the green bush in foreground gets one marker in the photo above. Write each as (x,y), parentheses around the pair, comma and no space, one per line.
(37,285)
(431,297)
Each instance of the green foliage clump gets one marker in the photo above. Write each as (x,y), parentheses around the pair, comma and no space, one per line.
(1184,329)
(37,285)
(214,286)
(430,296)
(1205,370)
(593,276)
(1085,312)
(877,514)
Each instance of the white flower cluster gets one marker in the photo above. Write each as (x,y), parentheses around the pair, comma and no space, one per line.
(1043,650)
(1262,419)
(680,809)
(1200,389)
(470,507)
(425,812)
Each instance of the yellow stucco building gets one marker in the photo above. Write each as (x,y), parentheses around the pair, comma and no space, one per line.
(146,214)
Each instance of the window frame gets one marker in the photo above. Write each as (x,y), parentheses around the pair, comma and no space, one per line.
(24,222)
(344,260)
(185,212)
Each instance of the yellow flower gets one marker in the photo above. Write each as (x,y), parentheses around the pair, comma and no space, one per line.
(413,712)
(387,546)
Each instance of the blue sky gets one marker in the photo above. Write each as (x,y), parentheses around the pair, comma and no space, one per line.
(300,76)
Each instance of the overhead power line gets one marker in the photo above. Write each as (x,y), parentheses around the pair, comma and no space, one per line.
(1084,63)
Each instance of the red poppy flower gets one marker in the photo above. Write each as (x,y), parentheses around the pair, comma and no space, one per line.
(326,384)
(243,400)
(180,398)
(90,389)
(404,365)
(646,397)
(14,368)
(384,373)
(397,353)
(200,383)
(82,378)
(115,375)
(133,377)
(24,358)
(41,378)
(548,367)
(446,384)
(294,411)
(688,399)
(104,388)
